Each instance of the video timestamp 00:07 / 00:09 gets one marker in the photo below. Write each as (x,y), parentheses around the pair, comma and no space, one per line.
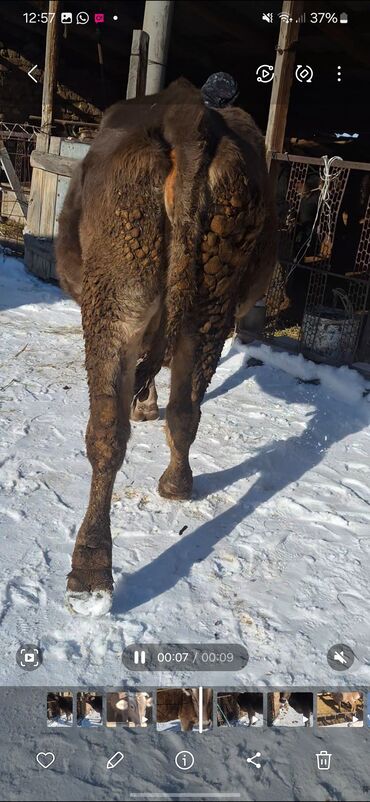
(202,656)
(191,656)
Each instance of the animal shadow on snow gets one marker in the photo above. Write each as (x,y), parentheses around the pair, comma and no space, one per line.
(19,288)
(276,465)
(230,383)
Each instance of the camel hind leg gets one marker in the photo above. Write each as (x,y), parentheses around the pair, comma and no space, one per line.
(121,233)
(193,364)
(112,346)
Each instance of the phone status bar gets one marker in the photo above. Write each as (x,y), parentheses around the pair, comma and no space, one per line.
(313,17)
(69,18)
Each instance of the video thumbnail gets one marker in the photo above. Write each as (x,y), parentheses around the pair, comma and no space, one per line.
(89,709)
(290,709)
(342,709)
(132,709)
(184,709)
(60,709)
(239,709)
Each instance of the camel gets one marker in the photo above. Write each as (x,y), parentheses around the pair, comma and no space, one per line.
(233,706)
(59,705)
(129,708)
(348,701)
(183,704)
(167,234)
(302,703)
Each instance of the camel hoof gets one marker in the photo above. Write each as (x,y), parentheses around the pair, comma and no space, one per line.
(89,593)
(152,413)
(174,487)
(139,414)
(94,605)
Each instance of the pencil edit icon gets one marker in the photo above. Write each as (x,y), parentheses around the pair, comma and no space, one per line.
(113,761)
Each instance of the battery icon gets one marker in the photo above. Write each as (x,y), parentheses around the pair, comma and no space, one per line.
(139,657)
(343,17)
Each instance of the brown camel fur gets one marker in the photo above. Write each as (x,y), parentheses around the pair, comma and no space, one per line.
(167,233)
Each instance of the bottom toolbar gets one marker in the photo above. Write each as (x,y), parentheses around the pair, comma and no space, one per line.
(184,743)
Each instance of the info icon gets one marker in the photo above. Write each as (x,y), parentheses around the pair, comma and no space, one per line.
(184,760)
(340,657)
(29,657)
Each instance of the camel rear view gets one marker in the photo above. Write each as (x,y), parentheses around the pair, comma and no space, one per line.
(167,228)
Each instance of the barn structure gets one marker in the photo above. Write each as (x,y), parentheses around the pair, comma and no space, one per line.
(318,300)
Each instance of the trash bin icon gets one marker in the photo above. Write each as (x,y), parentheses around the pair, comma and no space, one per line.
(323,760)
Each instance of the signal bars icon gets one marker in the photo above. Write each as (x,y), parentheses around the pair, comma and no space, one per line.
(139,657)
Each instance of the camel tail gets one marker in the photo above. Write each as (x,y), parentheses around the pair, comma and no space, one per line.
(185,193)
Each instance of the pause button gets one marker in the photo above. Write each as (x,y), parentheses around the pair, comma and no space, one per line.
(139,657)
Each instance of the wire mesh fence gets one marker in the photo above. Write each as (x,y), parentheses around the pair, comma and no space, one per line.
(19,140)
(319,292)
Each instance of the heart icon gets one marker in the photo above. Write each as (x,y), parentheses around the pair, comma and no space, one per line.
(45,759)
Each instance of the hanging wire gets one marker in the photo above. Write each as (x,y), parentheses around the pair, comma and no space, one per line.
(327,177)
(347,303)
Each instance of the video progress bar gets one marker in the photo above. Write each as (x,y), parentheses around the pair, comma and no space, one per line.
(198,795)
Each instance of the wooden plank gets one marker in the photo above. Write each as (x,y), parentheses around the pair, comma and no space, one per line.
(34,206)
(283,76)
(49,193)
(62,188)
(52,163)
(50,68)
(13,178)
(39,256)
(138,65)
(291,157)
(73,148)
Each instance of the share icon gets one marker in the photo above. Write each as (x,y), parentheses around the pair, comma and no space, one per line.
(252,760)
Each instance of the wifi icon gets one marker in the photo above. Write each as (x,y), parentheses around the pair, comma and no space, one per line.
(285,18)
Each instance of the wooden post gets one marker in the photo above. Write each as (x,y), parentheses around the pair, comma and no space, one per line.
(283,76)
(137,74)
(157,23)
(49,69)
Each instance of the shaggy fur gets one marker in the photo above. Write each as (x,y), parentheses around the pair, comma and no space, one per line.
(167,233)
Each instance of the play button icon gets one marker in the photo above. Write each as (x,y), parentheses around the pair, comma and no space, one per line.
(265,73)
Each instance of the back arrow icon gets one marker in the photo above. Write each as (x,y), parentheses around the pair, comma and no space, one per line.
(30,73)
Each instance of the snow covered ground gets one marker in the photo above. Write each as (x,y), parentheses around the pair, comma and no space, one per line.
(92,719)
(276,553)
(243,721)
(175,726)
(163,726)
(61,721)
(288,717)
